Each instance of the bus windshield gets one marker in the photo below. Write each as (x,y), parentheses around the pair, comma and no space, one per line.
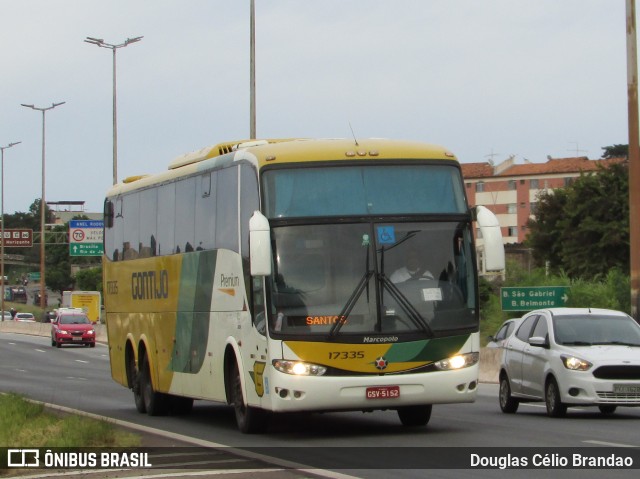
(373,278)
(418,188)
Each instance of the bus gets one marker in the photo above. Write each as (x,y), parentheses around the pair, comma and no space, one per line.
(262,274)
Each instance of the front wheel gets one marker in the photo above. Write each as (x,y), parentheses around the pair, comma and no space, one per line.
(555,406)
(415,415)
(607,408)
(508,403)
(250,420)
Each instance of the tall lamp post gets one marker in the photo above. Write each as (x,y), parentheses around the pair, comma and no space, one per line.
(2,148)
(101,43)
(43,204)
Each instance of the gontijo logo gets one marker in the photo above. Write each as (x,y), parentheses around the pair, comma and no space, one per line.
(150,284)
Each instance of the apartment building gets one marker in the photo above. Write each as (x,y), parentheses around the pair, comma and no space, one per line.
(511,189)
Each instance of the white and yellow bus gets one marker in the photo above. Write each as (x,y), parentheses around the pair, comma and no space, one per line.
(297,275)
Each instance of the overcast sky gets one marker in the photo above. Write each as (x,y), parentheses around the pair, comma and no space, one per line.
(485,78)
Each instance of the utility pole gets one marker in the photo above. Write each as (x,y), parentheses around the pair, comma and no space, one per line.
(634,157)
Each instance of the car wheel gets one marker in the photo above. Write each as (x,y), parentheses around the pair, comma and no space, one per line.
(53,341)
(607,408)
(412,416)
(555,406)
(92,345)
(155,403)
(250,420)
(508,404)
(58,344)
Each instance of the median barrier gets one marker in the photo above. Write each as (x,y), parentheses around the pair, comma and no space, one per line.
(489,357)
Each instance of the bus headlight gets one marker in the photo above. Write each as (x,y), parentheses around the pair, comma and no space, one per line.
(457,362)
(298,368)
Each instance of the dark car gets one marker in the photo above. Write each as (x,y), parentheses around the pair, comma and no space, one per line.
(71,326)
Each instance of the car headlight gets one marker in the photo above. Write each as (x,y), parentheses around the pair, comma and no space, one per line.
(63,332)
(458,361)
(575,364)
(298,368)
(91,331)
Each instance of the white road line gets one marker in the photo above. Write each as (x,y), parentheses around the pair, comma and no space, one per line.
(82,361)
(41,350)
(610,444)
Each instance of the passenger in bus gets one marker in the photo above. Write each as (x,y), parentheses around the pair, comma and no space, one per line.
(414,268)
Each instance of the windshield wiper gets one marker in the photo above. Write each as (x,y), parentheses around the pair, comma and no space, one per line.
(617,343)
(350,304)
(406,306)
(576,343)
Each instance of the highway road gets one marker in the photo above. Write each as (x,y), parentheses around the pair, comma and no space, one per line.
(356,444)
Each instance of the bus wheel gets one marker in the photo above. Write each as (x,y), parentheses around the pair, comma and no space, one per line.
(136,386)
(250,420)
(415,415)
(155,403)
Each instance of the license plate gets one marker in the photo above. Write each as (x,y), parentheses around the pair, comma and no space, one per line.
(626,388)
(383,392)
(77,338)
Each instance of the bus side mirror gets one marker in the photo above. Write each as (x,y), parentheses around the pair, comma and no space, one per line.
(492,237)
(108,214)
(259,245)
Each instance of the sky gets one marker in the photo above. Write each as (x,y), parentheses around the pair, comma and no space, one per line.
(485,78)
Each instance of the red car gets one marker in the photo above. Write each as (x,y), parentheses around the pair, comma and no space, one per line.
(71,326)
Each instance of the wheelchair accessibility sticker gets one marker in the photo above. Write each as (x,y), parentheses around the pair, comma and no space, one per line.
(386,234)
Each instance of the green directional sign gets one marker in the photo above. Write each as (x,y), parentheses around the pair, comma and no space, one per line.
(533,297)
(86,249)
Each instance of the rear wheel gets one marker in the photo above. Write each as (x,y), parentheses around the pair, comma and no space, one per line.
(155,403)
(250,420)
(135,377)
(415,415)
(508,403)
(555,406)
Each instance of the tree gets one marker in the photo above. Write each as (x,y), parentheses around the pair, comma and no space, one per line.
(615,151)
(89,279)
(583,229)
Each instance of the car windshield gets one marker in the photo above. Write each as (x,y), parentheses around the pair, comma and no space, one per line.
(74,319)
(590,329)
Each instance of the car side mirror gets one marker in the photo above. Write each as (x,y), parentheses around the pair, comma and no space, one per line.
(539,342)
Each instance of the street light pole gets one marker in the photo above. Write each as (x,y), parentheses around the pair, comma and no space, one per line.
(43,203)
(2,148)
(101,43)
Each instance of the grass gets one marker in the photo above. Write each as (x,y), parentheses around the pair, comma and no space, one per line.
(27,424)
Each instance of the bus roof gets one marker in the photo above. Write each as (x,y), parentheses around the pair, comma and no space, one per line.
(290,150)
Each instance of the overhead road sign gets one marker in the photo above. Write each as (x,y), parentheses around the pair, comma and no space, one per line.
(18,238)
(85,237)
(533,297)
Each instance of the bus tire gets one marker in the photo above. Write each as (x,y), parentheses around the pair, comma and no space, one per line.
(250,420)
(136,386)
(155,403)
(415,415)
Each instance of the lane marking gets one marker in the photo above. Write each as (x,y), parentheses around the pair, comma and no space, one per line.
(612,444)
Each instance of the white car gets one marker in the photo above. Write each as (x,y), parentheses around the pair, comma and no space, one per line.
(572,357)
(507,328)
(25,317)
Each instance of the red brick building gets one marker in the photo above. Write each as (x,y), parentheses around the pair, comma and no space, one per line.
(511,190)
